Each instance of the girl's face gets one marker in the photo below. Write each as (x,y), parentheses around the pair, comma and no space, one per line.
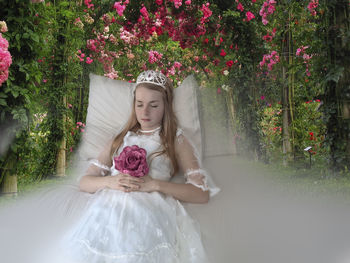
(149,108)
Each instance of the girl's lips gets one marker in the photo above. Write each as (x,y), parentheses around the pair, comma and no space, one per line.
(145,119)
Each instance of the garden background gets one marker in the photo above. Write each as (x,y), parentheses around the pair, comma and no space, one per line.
(283,68)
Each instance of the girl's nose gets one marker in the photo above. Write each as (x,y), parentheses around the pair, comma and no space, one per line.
(146,110)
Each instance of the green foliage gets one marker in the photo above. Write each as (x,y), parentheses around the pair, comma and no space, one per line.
(18,93)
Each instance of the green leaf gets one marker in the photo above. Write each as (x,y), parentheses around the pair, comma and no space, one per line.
(335,74)
(35,37)
(25,35)
(15,93)
(3,102)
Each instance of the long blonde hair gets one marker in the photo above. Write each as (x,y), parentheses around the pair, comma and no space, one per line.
(168,129)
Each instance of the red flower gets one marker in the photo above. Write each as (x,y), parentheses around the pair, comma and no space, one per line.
(216,62)
(229,63)
(223,53)
(311,136)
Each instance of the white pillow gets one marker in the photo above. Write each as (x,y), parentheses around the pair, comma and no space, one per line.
(187,111)
(110,103)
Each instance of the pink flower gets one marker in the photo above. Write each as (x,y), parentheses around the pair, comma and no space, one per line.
(268,8)
(177,3)
(270,60)
(240,7)
(119,7)
(154,56)
(112,74)
(89,60)
(132,160)
(5,60)
(206,12)
(249,16)
(88,4)
(159,2)
(4,44)
(177,65)
(171,71)
(312,6)
(144,13)
(188,2)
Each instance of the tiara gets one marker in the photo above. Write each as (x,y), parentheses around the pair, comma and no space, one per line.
(152,77)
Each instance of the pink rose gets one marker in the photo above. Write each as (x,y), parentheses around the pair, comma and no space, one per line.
(132,161)
(249,16)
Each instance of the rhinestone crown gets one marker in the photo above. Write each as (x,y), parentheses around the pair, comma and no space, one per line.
(152,77)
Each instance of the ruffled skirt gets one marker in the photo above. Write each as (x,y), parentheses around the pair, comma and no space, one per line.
(69,226)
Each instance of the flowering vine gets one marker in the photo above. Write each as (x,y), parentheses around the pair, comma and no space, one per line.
(270,60)
(306,57)
(313,4)
(5,56)
(268,8)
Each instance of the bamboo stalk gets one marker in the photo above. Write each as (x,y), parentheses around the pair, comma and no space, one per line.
(231,107)
(61,157)
(8,185)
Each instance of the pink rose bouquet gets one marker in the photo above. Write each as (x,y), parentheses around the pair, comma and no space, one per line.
(132,161)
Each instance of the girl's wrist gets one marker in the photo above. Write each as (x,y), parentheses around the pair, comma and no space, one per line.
(157,185)
(106,181)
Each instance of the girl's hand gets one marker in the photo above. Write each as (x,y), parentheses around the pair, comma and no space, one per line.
(124,182)
(148,185)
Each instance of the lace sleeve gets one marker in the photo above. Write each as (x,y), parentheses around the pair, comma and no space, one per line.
(104,169)
(101,165)
(190,164)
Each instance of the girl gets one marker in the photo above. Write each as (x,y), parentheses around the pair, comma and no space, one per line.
(139,219)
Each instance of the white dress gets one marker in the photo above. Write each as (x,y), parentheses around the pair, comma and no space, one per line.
(136,227)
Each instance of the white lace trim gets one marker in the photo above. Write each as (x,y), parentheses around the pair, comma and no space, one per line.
(179,131)
(99,164)
(179,138)
(189,180)
(136,254)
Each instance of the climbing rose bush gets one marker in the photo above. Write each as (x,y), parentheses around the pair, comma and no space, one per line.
(5,60)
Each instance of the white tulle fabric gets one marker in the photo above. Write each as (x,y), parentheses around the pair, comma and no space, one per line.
(136,227)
